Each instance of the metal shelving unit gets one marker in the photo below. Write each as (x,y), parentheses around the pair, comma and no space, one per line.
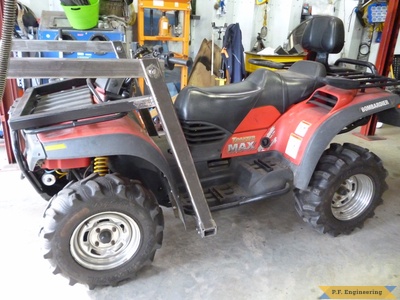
(164,6)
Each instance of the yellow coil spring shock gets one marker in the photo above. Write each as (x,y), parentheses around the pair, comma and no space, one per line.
(101,165)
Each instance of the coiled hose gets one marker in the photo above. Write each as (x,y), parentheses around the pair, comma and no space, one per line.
(5,47)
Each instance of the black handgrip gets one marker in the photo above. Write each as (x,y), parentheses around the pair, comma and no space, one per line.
(266,63)
(180,61)
(171,61)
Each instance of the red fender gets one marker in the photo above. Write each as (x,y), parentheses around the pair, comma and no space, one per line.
(303,132)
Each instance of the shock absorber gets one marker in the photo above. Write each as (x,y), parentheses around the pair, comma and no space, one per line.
(100,165)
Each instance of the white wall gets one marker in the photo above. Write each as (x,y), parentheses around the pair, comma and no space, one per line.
(355,33)
(237,11)
(353,28)
(397,50)
(282,17)
(38,6)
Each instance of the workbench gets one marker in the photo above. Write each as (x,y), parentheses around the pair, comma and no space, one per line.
(275,58)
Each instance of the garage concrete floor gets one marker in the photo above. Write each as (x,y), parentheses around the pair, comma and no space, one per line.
(262,250)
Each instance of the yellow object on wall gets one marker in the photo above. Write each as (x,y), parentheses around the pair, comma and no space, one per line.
(259,2)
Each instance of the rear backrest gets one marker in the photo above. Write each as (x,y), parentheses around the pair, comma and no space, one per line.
(323,35)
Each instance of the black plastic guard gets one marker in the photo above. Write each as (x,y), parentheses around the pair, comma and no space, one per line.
(390,117)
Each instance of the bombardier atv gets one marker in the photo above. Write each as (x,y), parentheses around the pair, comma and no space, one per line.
(91,148)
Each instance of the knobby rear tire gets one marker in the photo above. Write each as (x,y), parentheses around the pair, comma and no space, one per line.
(346,187)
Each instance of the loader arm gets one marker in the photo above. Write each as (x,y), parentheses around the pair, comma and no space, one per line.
(151,71)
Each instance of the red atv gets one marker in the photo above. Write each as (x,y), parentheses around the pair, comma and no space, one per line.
(80,143)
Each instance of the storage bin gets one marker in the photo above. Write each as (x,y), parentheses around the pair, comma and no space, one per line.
(83,17)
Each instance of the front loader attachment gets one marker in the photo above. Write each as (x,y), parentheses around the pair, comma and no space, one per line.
(149,69)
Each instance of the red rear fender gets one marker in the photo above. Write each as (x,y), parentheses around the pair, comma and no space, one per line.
(304,132)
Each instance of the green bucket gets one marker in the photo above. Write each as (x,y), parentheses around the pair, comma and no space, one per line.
(83,17)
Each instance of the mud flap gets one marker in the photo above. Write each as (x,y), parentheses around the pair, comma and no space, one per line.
(390,117)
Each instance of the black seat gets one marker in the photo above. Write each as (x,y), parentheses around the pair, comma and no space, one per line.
(226,106)
(300,81)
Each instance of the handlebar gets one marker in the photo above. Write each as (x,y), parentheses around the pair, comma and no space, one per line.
(171,61)
(157,52)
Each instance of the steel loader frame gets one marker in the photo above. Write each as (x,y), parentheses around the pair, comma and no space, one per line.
(148,69)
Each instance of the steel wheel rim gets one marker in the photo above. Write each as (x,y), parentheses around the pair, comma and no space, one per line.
(105,241)
(353,197)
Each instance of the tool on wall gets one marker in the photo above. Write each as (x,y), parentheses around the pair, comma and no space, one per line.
(178,24)
(220,7)
(264,29)
(259,44)
(372,15)
(220,30)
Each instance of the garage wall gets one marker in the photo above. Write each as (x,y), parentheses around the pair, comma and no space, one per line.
(283,16)
(397,50)
(38,6)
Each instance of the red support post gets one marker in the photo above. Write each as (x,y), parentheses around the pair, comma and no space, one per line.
(385,53)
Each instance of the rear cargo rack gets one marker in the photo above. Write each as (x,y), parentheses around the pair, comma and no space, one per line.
(358,81)
(365,79)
